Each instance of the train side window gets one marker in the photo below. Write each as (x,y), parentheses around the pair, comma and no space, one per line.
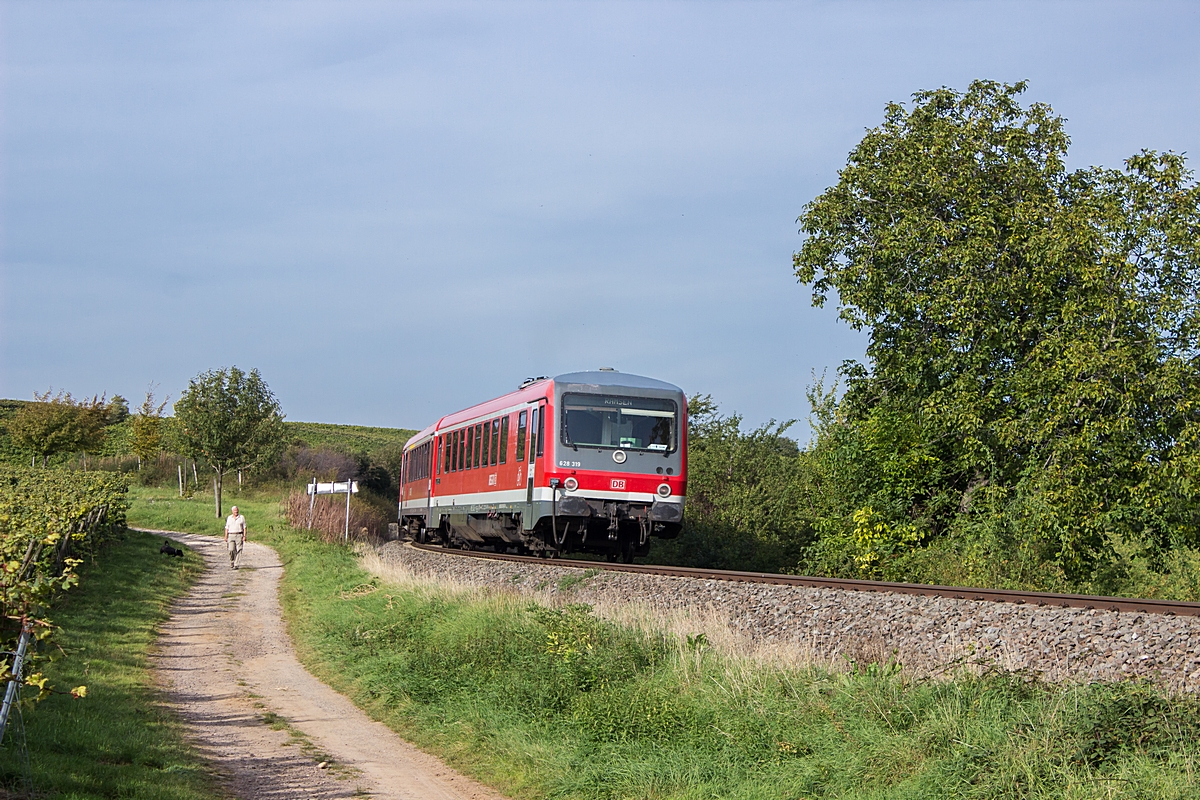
(454,460)
(487,441)
(535,441)
(478,442)
(495,440)
(541,435)
(504,439)
(521,436)
(470,446)
(445,453)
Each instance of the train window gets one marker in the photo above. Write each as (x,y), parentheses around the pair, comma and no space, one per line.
(487,441)
(541,426)
(470,432)
(455,464)
(534,440)
(478,443)
(495,440)
(445,453)
(521,436)
(504,439)
(636,423)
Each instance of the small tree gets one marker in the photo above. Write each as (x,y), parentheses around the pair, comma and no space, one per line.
(231,419)
(117,410)
(147,429)
(55,424)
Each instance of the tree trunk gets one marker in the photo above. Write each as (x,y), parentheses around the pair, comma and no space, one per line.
(217,491)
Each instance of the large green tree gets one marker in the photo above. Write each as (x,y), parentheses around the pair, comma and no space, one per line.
(231,419)
(1032,374)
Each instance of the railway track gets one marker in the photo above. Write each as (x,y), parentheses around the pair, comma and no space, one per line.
(1046,599)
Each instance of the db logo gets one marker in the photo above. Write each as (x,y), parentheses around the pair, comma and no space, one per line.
(618,484)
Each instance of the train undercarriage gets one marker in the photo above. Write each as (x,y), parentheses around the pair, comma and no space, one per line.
(615,530)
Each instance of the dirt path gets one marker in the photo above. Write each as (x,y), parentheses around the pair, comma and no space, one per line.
(264,723)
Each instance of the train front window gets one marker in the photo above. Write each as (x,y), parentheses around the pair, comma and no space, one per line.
(635,423)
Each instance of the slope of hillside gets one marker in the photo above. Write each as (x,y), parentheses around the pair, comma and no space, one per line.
(346,438)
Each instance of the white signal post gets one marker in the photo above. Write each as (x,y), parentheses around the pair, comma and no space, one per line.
(336,487)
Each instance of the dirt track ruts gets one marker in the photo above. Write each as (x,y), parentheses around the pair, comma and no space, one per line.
(225,663)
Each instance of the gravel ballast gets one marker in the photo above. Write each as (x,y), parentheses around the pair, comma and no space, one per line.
(926,635)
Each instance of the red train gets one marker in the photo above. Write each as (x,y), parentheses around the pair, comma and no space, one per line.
(585,462)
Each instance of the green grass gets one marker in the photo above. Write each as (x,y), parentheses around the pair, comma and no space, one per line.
(162,509)
(546,703)
(118,741)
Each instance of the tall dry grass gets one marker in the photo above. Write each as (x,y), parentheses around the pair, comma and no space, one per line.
(329,517)
(678,625)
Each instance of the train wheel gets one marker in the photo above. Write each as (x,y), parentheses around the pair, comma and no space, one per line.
(422,536)
(627,552)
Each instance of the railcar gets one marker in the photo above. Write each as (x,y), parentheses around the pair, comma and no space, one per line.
(591,462)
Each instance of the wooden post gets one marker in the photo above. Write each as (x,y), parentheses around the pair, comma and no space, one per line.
(312,499)
(180,480)
(349,486)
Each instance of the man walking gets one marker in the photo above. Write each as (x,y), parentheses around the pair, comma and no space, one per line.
(235,536)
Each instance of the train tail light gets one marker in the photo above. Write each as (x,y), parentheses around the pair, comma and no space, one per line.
(570,484)
(664,490)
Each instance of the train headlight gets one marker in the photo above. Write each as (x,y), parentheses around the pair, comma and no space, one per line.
(570,484)
(664,490)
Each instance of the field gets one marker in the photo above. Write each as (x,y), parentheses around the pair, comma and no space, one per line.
(553,702)
(346,438)
(117,741)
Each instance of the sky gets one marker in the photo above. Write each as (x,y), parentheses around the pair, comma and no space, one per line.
(396,210)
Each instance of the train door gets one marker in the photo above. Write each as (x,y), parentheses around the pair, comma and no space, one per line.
(535,466)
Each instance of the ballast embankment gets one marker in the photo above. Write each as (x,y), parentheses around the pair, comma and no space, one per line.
(927,636)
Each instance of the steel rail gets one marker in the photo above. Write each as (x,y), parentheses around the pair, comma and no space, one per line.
(1042,599)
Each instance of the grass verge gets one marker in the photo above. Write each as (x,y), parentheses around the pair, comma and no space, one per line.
(118,741)
(556,703)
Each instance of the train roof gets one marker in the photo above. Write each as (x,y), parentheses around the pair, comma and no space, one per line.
(537,388)
(606,377)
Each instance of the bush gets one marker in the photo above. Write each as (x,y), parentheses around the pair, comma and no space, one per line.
(328,516)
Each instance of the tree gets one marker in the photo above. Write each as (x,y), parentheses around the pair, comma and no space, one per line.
(147,436)
(117,410)
(231,420)
(56,423)
(1033,364)
(748,491)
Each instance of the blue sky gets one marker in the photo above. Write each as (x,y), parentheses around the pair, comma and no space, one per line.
(395,210)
